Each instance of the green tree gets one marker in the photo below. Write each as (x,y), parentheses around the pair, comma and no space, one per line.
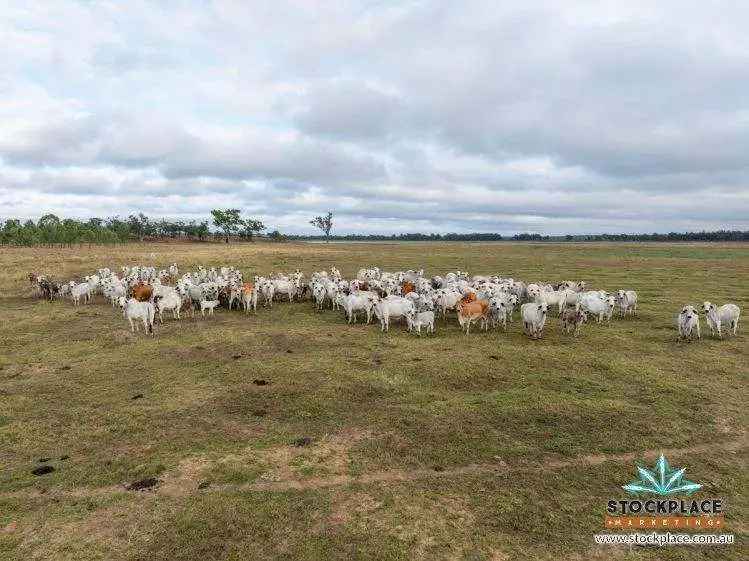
(227,220)
(201,230)
(251,226)
(140,225)
(324,223)
(49,228)
(276,236)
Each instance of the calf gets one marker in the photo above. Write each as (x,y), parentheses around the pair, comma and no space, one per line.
(359,302)
(727,314)
(249,297)
(572,318)
(627,300)
(170,301)
(135,310)
(392,307)
(35,281)
(268,290)
(688,321)
(534,318)
(48,289)
(470,310)
(447,299)
(209,305)
(419,319)
(602,307)
(498,312)
(283,286)
(80,291)
(319,293)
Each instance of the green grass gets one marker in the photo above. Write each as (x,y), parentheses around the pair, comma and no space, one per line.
(384,412)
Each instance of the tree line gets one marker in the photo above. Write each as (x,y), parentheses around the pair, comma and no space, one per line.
(713,236)
(228,224)
(52,230)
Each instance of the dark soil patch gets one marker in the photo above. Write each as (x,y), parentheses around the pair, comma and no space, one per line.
(141,484)
(259,382)
(43,460)
(137,396)
(303,441)
(64,457)
(42,470)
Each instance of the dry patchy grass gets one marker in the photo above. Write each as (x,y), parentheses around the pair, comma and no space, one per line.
(448,447)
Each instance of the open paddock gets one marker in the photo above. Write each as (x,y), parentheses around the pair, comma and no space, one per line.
(291,434)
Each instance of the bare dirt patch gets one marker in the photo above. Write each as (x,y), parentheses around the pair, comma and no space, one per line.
(186,478)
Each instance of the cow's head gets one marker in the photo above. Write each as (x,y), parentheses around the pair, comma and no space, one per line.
(689,312)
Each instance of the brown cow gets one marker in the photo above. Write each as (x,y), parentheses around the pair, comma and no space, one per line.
(142,292)
(470,310)
(407,287)
(572,319)
(35,282)
(249,297)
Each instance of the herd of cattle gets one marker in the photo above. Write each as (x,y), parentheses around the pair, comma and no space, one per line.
(488,301)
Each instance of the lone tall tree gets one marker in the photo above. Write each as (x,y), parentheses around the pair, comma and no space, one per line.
(227,220)
(325,223)
(251,226)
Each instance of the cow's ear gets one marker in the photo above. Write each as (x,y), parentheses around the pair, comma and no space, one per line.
(540,307)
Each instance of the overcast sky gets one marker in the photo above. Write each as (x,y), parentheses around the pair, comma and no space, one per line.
(552,117)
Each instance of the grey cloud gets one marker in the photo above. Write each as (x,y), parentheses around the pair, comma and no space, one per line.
(349,109)
(515,116)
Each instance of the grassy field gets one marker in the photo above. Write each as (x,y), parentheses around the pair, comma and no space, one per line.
(486,447)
